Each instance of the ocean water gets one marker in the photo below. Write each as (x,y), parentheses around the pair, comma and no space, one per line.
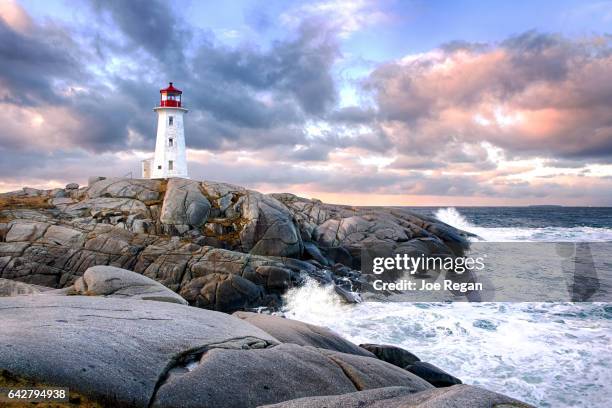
(547,354)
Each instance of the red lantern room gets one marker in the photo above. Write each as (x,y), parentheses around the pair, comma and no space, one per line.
(170,97)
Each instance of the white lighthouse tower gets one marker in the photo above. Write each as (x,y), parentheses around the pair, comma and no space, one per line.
(170,158)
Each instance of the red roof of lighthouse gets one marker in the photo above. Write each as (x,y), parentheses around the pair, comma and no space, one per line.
(172,89)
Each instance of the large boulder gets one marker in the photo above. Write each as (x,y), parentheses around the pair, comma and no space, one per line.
(274,374)
(110,281)
(267,226)
(116,351)
(432,374)
(184,205)
(458,396)
(223,292)
(300,333)
(391,354)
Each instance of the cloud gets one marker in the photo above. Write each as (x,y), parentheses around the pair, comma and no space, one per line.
(150,24)
(13,15)
(34,62)
(533,94)
(345,16)
(244,96)
(525,119)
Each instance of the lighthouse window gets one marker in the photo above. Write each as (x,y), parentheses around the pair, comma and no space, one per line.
(170,120)
(170,142)
(159,167)
(170,165)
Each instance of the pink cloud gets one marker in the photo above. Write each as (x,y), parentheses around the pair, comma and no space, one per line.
(534,94)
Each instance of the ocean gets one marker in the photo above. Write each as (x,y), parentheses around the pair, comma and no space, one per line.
(547,354)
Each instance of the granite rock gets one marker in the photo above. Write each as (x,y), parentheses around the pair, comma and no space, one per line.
(116,351)
(432,374)
(458,396)
(300,333)
(273,374)
(391,354)
(110,281)
(184,204)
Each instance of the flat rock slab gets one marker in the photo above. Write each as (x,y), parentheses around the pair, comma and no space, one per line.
(113,350)
(457,396)
(300,333)
(110,281)
(249,378)
(141,189)
(10,287)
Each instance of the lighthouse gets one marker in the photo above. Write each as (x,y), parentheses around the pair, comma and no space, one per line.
(170,158)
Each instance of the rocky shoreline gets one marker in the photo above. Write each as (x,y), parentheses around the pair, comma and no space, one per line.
(104,289)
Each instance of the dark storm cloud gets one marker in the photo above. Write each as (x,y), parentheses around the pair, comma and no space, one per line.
(261,89)
(151,24)
(31,63)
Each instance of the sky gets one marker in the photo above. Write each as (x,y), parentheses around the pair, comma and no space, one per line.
(357,102)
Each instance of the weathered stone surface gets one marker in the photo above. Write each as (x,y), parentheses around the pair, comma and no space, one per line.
(359,399)
(224,292)
(62,202)
(352,228)
(275,278)
(32,192)
(101,206)
(315,253)
(391,354)
(184,204)
(271,375)
(222,195)
(110,281)
(369,372)
(25,230)
(300,333)
(59,235)
(114,350)
(264,376)
(12,249)
(267,226)
(140,189)
(458,396)
(432,374)
(14,288)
